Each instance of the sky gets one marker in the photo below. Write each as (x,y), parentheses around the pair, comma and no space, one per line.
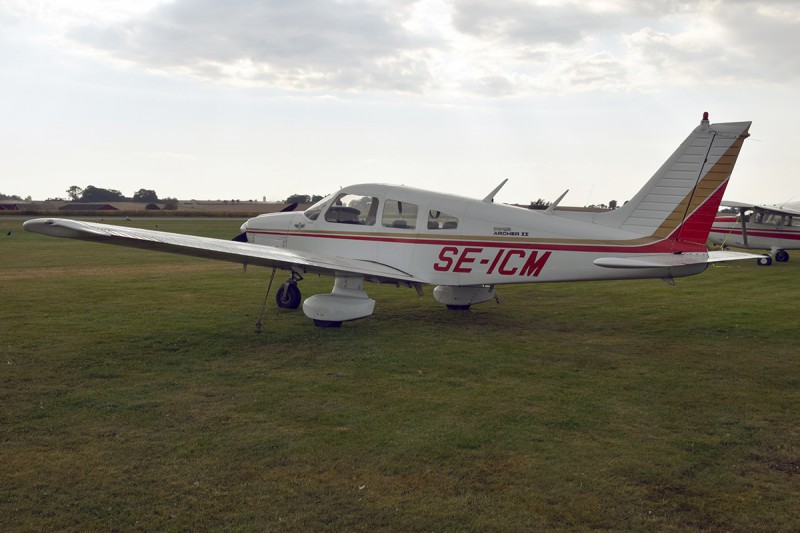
(252,100)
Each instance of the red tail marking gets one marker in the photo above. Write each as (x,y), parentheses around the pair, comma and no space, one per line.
(697,226)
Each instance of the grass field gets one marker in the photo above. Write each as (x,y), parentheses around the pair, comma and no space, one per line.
(136,396)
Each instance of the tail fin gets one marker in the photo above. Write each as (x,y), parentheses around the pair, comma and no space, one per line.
(681,199)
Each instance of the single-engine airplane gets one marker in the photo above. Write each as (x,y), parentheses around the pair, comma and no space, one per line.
(466,247)
(773,227)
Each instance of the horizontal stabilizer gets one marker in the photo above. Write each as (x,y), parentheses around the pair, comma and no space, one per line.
(723,255)
(672,260)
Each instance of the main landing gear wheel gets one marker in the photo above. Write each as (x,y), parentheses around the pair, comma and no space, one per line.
(781,256)
(458,307)
(764,261)
(327,323)
(288,296)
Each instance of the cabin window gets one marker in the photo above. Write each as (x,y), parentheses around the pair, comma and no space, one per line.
(353,209)
(402,215)
(772,218)
(440,220)
(795,222)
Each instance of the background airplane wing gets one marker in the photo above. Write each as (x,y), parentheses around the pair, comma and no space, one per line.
(672,260)
(772,208)
(738,205)
(237,252)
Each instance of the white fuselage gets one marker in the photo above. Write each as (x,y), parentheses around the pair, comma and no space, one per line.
(447,240)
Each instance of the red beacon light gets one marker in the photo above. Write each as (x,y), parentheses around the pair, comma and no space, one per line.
(705,115)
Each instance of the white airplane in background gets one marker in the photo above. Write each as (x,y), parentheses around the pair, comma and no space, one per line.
(466,247)
(773,227)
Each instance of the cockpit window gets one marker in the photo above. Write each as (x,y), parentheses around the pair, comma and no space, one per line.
(353,209)
(440,220)
(401,215)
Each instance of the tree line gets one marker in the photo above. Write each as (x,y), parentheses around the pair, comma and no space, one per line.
(99,194)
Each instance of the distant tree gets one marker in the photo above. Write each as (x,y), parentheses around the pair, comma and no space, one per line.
(170,203)
(98,194)
(10,197)
(299,198)
(539,204)
(316,198)
(145,195)
(74,193)
(612,204)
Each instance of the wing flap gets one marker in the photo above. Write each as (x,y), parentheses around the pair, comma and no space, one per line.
(210,248)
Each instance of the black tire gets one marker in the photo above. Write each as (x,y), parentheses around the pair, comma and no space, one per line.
(458,307)
(764,261)
(288,297)
(327,323)
(781,256)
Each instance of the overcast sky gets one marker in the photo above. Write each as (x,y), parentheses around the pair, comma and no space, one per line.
(246,99)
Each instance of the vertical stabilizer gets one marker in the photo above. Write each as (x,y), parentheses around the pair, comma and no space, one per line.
(680,201)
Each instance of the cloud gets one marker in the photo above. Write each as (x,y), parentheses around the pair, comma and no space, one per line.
(299,44)
(727,42)
(455,48)
(526,23)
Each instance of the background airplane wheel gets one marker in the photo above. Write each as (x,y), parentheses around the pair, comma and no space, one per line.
(764,261)
(781,256)
(458,307)
(288,297)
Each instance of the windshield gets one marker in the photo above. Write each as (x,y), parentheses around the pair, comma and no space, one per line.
(312,213)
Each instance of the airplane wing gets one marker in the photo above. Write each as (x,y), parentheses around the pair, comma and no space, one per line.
(237,252)
(672,260)
(772,208)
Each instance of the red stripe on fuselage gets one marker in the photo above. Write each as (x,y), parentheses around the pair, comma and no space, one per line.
(668,245)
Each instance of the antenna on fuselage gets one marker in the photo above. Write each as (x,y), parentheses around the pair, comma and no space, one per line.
(552,207)
(490,197)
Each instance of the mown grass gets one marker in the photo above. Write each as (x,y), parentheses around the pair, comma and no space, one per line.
(136,395)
